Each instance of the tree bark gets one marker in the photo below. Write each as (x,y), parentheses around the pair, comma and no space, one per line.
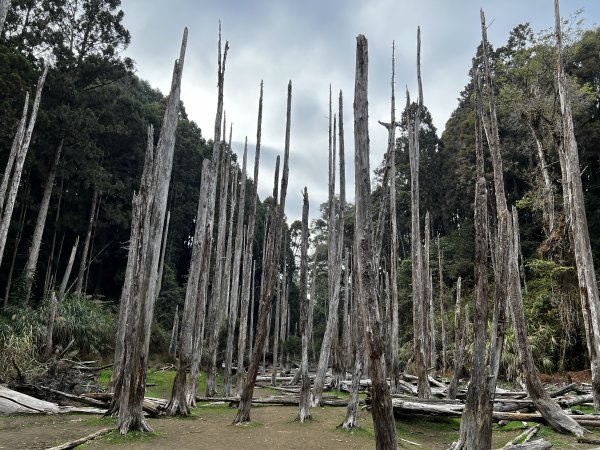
(36,241)
(235,269)
(428,298)
(86,245)
(442,307)
(50,324)
(276,335)
(63,285)
(18,237)
(476,422)
(20,147)
(334,264)
(249,251)
(148,217)
(383,419)
(217,305)
(4,6)
(304,406)
(274,238)
(418,280)
(174,333)
(588,287)
(458,344)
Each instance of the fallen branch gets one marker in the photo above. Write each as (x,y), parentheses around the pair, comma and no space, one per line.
(539,444)
(83,440)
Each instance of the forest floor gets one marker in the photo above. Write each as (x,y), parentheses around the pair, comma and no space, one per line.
(272,427)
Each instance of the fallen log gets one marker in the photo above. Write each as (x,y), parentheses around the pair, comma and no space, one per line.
(152,406)
(13,402)
(539,444)
(75,398)
(83,440)
(575,400)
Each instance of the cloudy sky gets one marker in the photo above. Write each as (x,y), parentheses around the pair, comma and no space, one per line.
(312,42)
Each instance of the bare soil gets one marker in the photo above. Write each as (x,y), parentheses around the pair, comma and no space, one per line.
(272,427)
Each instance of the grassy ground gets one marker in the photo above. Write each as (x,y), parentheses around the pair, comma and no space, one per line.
(210,427)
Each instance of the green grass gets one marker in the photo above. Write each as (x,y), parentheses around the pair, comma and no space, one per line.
(114,437)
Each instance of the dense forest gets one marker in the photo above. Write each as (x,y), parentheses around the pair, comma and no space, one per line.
(71,224)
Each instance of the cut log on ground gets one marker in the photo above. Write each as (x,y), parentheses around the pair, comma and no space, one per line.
(83,440)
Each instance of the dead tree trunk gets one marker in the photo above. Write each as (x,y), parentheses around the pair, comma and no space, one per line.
(178,405)
(334,271)
(427,298)
(549,210)
(63,285)
(588,287)
(86,245)
(391,127)
(555,416)
(351,420)
(163,251)
(36,241)
(4,5)
(174,335)
(249,251)
(383,418)
(251,331)
(304,406)
(274,239)
(149,209)
(442,307)
(14,168)
(458,344)
(276,335)
(418,280)
(216,307)
(18,237)
(50,324)
(476,422)
(235,270)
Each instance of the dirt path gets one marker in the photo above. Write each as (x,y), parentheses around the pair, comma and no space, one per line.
(273,427)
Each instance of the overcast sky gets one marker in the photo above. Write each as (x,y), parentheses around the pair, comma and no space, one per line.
(312,42)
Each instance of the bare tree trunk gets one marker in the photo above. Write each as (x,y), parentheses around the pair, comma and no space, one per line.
(50,324)
(4,6)
(266,346)
(251,331)
(235,270)
(334,264)
(476,422)
(19,150)
(458,344)
(304,406)
(249,251)
(549,210)
(217,304)
(148,217)
(442,307)
(163,252)
(86,245)
(63,285)
(427,296)
(588,287)
(351,420)
(218,144)
(178,405)
(276,335)
(18,237)
(508,248)
(383,418)
(418,279)
(555,416)
(91,256)
(274,238)
(174,333)
(50,279)
(36,242)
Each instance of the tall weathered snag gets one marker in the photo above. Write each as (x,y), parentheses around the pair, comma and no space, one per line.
(148,217)
(304,407)
(383,418)
(16,160)
(274,237)
(588,286)
(420,319)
